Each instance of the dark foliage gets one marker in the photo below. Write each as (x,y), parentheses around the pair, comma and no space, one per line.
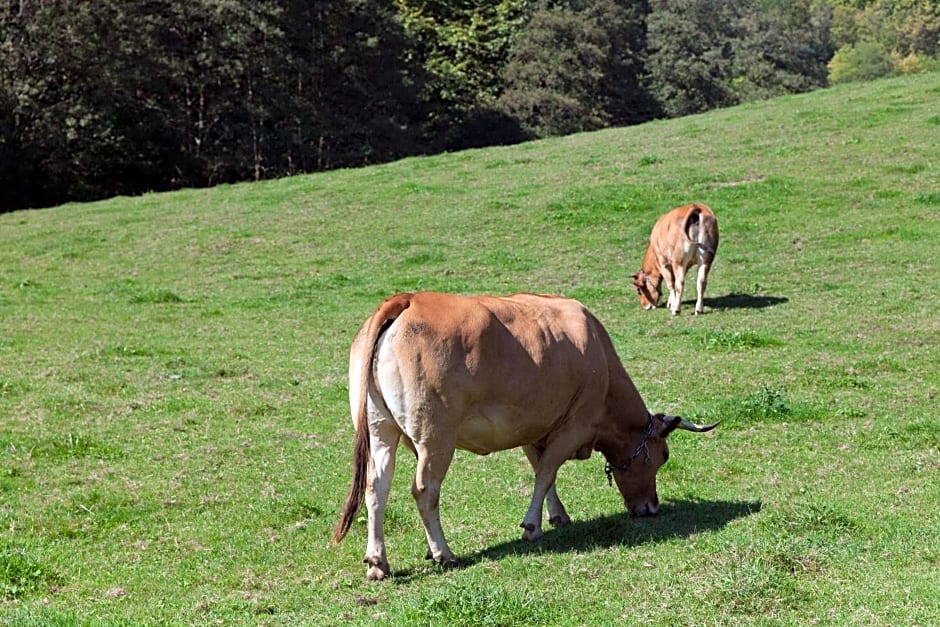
(689,68)
(120,97)
(704,54)
(553,78)
(577,66)
(126,96)
(783,48)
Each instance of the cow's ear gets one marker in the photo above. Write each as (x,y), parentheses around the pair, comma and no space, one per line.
(663,425)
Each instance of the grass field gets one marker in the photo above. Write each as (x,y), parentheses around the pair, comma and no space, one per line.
(175,440)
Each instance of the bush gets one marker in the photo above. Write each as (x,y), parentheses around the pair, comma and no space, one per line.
(864,61)
(915,64)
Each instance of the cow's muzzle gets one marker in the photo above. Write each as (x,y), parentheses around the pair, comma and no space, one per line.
(643,509)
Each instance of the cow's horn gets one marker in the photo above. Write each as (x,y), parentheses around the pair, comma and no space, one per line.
(688,426)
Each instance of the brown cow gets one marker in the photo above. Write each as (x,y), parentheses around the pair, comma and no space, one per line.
(486,374)
(682,238)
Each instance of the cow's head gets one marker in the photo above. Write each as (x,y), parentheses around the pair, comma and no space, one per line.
(647,288)
(645,452)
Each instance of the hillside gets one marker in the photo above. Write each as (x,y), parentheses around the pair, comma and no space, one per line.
(174,431)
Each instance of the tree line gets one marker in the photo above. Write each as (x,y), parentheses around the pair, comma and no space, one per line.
(126,96)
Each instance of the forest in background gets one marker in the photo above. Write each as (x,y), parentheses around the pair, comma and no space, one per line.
(127,96)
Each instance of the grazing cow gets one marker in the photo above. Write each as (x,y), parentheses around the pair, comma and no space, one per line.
(682,238)
(485,374)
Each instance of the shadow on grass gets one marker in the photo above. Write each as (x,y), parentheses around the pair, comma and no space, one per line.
(676,519)
(736,300)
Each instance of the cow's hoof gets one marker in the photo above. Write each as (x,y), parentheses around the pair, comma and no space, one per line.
(378,569)
(559,520)
(442,561)
(531,533)
(447,562)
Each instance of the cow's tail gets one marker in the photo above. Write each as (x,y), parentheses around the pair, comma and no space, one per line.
(694,228)
(362,454)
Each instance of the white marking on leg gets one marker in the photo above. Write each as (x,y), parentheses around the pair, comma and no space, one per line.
(700,283)
(384,442)
(680,285)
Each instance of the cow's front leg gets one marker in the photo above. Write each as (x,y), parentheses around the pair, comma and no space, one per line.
(676,290)
(549,462)
(426,490)
(384,442)
(670,279)
(557,516)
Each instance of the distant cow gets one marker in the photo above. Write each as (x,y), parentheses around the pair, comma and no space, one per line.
(486,374)
(682,238)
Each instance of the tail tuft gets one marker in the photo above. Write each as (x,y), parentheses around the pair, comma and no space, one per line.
(357,490)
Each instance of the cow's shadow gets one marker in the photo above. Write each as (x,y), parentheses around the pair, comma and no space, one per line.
(737,300)
(676,519)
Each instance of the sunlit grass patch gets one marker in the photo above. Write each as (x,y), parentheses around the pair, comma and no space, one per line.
(138,292)
(650,160)
(22,572)
(69,446)
(157,297)
(737,340)
(586,206)
(932,198)
(424,258)
(764,404)
(491,603)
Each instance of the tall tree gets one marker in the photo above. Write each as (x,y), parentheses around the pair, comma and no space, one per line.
(626,98)
(122,96)
(463,46)
(215,71)
(577,66)
(119,97)
(553,78)
(58,75)
(354,87)
(783,47)
(691,52)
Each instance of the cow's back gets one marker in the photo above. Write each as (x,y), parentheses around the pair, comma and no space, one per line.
(685,236)
(499,372)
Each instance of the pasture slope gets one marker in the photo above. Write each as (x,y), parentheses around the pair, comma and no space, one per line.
(174,432)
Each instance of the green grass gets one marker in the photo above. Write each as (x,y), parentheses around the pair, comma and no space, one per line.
(174,432)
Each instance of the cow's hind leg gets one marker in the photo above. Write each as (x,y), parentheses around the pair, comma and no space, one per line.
(557,516)
(700,283)
(384,443)
(433,463)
